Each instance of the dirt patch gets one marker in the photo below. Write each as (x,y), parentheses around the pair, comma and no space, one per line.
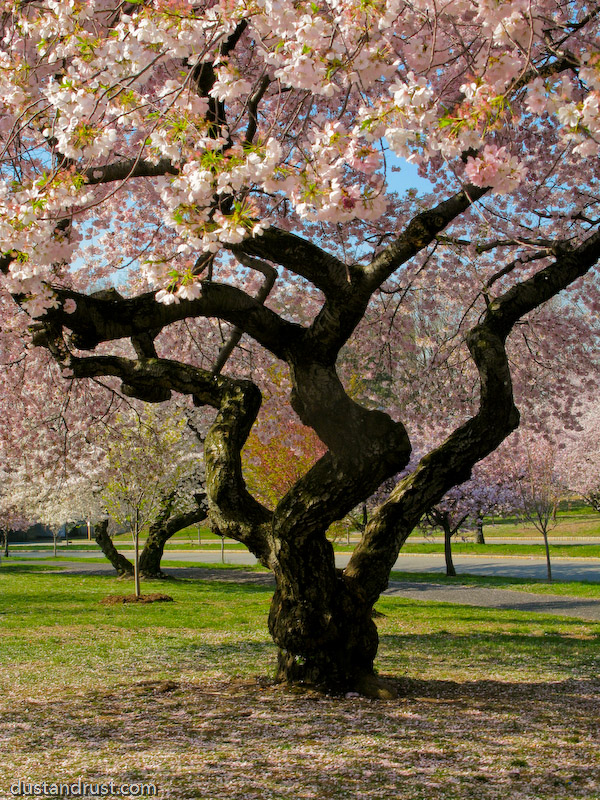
(159,687)
(117,599)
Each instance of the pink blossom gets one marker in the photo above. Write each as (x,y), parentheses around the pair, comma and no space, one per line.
(495,167)
(166,298)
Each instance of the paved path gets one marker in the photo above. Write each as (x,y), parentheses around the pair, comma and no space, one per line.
(563,569)
(578,607)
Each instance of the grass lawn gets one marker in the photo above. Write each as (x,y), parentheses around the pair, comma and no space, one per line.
(576,522)
(471,548)
(493,704)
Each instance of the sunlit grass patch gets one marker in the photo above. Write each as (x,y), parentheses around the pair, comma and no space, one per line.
(447,641)
(493,704)
(573,550)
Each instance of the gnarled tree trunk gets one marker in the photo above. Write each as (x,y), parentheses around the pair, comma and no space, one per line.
(159,534)
(123,566)
(323,640)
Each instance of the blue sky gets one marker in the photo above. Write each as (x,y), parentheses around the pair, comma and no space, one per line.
(407,177)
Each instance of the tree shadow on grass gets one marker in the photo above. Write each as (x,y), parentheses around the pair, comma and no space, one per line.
(548,653)
(180,720)
(24,569)
(248,738)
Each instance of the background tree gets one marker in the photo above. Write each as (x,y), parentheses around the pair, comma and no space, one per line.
(448,516)
(10,521)
(47,441)
(279,450)
(45,498)
(225,163)
(539,487)
(181,501)
(145,468)
(578,458)
(489,491)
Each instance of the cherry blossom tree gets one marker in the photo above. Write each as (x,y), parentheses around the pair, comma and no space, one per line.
(153,474)
(177,173)
(490,490)
(148,462)
(10,520)
(48,443)
(45,498)
(450,517)
(539,487)
(578,459)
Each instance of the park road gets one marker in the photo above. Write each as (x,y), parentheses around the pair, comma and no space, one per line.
(563,569)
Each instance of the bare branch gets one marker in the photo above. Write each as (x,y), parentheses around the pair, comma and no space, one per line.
(419,233)
(270,276)
(98,320)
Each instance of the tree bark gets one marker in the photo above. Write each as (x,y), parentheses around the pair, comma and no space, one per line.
(479,537)
(548,565)
(593,498)
(152,552)
(448,533)
(159,534)
(323,628)
(123,566)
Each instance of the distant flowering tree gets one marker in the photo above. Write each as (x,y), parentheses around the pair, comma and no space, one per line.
(48,498)
(147,461)
(489,490)
(10,518)
(578,459)
(538,485)
(49,445)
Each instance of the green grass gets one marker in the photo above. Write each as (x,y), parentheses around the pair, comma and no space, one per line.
(44,614)
(470,548)
(575,522)
(493,703)
(574,550)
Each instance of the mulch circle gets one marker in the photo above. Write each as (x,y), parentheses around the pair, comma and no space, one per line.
(118,599)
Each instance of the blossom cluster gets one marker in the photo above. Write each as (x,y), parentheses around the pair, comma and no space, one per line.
(268,107)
